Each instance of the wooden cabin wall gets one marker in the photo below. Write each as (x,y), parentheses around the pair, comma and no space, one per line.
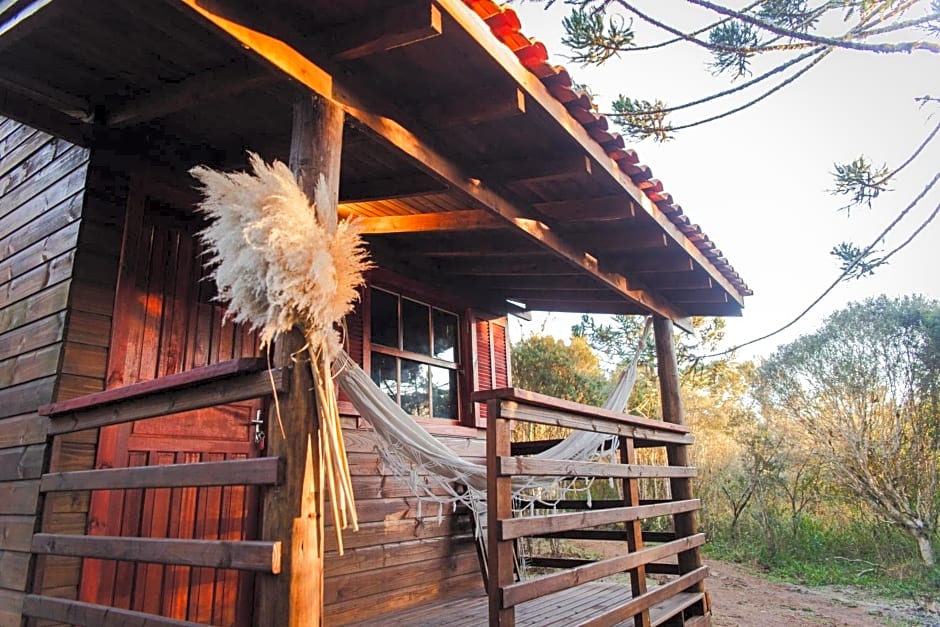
(42,183)
(86,342)
(398,559)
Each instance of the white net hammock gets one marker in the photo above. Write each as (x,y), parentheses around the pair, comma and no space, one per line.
(437,474)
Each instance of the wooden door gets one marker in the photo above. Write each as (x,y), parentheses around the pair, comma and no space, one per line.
(166,322)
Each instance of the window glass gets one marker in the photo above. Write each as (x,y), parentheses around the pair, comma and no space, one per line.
(445,335)
(385,374)
(415,398)
(385,318)
(415,327)
(444,392)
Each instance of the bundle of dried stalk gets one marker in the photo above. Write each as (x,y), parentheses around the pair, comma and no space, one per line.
(277,268)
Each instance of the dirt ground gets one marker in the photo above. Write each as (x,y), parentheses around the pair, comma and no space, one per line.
(742,598)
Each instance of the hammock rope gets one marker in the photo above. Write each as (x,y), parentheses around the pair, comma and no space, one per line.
(437,474)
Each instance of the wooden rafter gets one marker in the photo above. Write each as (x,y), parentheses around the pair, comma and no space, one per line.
(387,30)
(205,87)
(470,219)
(600,209)
(540,94)
(475,108)
(288,60)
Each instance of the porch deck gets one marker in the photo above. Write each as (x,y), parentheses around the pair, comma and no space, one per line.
(573,606)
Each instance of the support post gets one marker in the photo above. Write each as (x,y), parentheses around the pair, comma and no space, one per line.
(499,507)
(634,529)
(677,455)
(293,512)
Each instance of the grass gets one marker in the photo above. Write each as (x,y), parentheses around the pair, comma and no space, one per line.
(866,554)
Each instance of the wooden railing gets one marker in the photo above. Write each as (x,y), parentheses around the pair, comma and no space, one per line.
(680,601)
(218,384)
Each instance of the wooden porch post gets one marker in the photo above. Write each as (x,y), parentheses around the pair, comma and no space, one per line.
(291,511)
(679,454)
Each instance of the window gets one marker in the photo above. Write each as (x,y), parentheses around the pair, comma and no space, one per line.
(414,354)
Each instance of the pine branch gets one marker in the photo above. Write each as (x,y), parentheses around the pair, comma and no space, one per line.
(907,46)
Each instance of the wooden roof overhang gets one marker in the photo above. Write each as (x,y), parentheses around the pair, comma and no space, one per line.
(466,169)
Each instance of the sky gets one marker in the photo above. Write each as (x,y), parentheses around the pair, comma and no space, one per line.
(757,181)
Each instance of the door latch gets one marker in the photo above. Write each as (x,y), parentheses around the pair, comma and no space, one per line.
(258,425)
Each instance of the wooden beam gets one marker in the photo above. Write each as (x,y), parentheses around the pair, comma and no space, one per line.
(550,523)
(44,117)
(263,557)
(527,590)
(259,471)
(81,613)
(386,30)
(467,220)
(230,390)
(479,106)
(671,400)
(201,88)
(46,95)
(426,158)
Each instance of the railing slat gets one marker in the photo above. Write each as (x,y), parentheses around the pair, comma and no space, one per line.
(534,399)
(188,378)
(509,466)
(648,600)
(510,529)
(558,418)
(246,555)
(260,471)
(81,613)
(527,590)
(169,401)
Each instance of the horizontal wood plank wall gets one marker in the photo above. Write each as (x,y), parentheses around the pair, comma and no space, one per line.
(42,183)
(396,560)
(84,357)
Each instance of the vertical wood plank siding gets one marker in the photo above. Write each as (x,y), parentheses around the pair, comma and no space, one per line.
(42,183)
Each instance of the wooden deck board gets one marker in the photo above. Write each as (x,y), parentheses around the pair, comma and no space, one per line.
(562,609)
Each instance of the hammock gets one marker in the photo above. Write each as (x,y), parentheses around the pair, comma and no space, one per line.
(436,473)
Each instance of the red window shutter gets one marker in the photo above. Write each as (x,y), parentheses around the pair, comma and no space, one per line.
(492,360)
(500,356)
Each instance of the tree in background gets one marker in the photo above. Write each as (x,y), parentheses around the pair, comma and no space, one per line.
(866,388)
(615,339)
(571,371)
(794,36)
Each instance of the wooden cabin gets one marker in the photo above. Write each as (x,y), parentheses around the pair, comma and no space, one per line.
(141,479)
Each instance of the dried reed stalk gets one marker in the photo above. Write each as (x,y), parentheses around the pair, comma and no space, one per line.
(277,268)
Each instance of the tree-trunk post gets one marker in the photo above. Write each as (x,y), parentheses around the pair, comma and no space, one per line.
(292,511)
(677,455)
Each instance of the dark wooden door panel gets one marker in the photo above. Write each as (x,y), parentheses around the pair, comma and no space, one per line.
(166,321)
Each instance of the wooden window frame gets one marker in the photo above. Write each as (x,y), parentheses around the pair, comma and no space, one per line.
(465,423)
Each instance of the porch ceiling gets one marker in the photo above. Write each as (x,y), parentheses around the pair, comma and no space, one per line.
(520,201)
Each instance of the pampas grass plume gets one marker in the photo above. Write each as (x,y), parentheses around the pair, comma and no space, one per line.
(275,265)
